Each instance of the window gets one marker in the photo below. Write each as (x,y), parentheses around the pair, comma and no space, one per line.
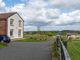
(19,23)
(11,32)
(11,22)
(19,32)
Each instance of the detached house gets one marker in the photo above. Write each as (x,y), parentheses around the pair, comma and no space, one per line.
(11,24)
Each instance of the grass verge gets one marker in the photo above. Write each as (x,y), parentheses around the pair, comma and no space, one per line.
(3,45)
(74,49)
(55,51)
(30,40)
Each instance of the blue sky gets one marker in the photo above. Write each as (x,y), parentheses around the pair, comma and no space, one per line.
(49,14)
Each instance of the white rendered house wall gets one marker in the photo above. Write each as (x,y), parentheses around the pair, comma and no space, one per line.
(15,26)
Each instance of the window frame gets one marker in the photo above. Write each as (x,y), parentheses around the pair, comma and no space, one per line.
(11,22)
(20,23)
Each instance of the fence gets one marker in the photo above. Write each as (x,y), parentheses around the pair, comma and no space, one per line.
(64,55)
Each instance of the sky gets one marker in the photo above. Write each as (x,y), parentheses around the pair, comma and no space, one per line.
(49,15)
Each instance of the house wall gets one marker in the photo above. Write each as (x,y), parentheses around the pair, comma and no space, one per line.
(3,27)
(15,27)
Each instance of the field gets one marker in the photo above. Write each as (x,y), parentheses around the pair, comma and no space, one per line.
(74,49)
(35,38)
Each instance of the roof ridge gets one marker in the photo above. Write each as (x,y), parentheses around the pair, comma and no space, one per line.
(6,15)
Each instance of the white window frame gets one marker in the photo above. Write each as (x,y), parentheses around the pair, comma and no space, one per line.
(11,22)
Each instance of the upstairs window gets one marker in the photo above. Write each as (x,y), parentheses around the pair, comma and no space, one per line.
(11,22)
(19,23)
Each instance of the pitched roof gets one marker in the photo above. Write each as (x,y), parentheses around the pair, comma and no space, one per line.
(6,15)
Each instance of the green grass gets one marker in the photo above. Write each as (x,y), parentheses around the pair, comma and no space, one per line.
(3,45)
(30,40)
(74,49)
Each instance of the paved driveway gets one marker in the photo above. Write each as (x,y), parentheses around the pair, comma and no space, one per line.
(26,51)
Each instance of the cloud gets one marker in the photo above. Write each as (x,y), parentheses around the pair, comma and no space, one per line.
(30,28)
(65,3)
(68,18)
(36,13)
(39,12)
(2,4)
(53,13)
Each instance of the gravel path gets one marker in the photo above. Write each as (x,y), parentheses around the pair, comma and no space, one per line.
(26,51)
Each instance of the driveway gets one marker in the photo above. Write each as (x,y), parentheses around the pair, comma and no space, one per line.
(26,51)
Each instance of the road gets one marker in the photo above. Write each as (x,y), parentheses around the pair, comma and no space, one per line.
(26,51)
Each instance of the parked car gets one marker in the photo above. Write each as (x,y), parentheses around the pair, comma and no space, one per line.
(4,38)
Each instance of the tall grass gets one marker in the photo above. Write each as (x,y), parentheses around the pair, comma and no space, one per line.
(55,51)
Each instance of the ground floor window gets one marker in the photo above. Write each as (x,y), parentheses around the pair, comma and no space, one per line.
(11,32)
(19,32)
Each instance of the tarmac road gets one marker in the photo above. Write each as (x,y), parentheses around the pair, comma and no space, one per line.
(26,51)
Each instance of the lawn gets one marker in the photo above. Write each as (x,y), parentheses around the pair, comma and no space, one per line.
(3,45)
(74,49)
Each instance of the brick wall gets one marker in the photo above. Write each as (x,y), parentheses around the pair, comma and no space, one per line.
(3,27)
